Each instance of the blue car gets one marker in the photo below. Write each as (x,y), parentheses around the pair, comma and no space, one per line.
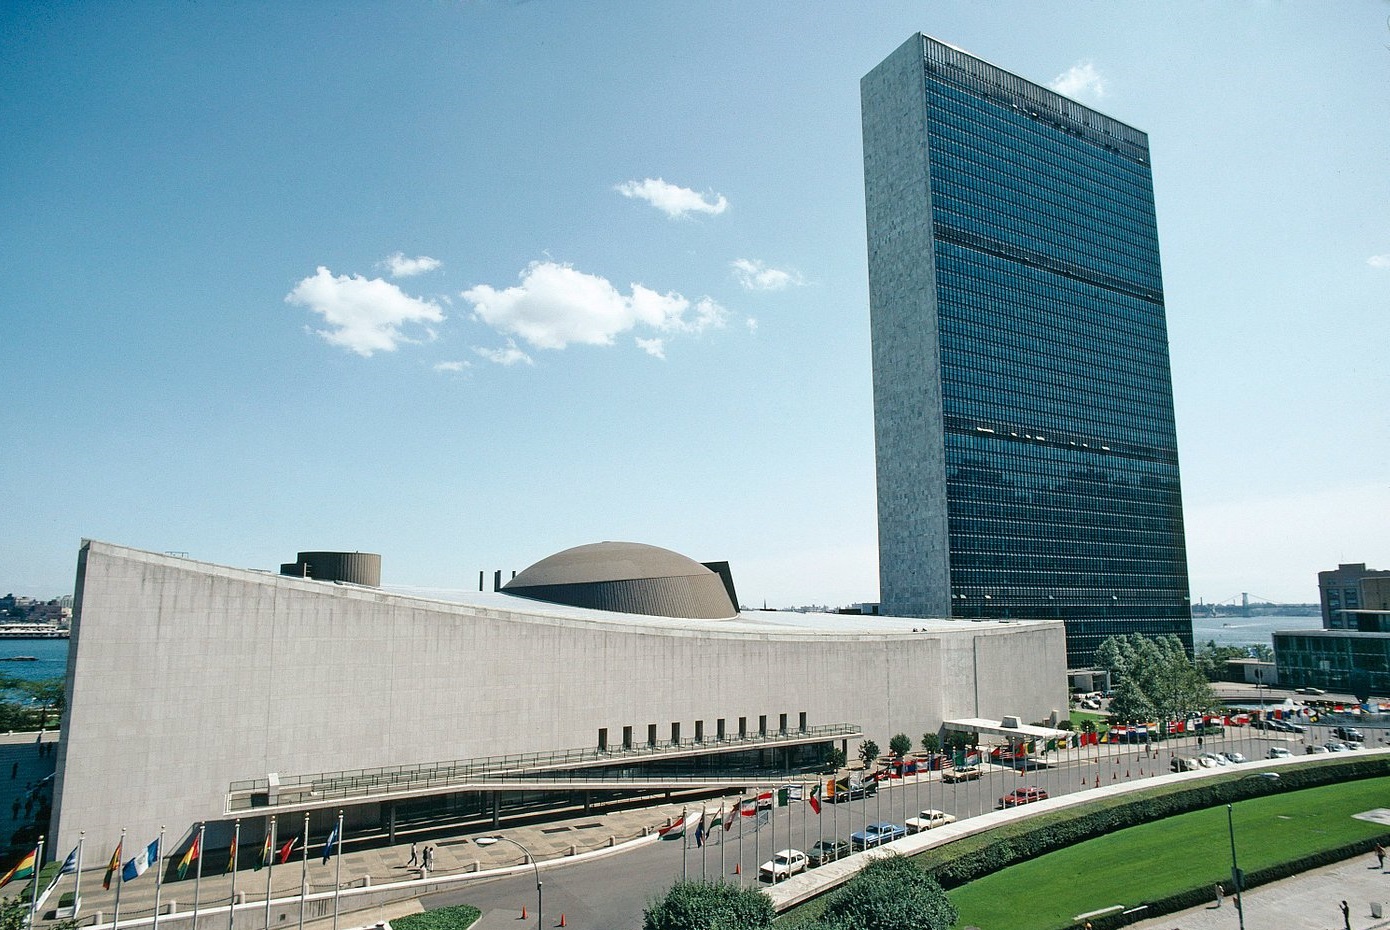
(876,834)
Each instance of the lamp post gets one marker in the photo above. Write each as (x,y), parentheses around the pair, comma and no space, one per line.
(1236,875)
(489,840)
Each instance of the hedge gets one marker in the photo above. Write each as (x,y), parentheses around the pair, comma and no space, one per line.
(958,863)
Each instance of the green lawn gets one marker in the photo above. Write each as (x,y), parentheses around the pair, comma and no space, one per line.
(1188,851)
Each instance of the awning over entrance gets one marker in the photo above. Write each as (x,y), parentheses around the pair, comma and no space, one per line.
(1009,729)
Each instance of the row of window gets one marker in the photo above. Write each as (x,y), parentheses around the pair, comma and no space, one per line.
(698,735)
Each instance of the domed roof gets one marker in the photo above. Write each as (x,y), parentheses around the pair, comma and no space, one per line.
(627,577)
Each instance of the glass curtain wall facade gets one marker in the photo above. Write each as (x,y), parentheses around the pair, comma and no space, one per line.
(1026,448)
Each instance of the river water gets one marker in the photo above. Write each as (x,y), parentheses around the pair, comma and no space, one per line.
(1247,631)
(50,658)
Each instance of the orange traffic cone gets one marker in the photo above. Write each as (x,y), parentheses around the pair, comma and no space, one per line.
(1126,773)
(738,869)
(1097,780)
(523,913)
(562,919)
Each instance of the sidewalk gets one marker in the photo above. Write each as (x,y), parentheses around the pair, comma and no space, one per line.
(1304,902)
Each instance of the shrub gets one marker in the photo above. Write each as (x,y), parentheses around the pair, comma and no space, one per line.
(890,893)
(709,906)
(458,917)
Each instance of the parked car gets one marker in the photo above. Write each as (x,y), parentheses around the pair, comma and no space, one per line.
(1348,734)
(1021,796)
(823,851)
(853,793)
(782,865)
(1334,746)
(1313,750)
(1309,690)
(876,834)
(1212,760)
(1179,764)
(964,773)
(928,819)
(1279,752)
(1234,758)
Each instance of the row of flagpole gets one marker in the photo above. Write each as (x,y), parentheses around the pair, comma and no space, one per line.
(152,855)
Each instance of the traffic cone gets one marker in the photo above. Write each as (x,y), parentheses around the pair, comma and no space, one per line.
(1097,779)
(1126,773)
(523,913)
(562,919)
(738,869)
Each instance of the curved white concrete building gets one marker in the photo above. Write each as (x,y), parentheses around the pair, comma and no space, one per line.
(198,692)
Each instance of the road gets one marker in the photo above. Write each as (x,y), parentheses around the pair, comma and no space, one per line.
(611,893)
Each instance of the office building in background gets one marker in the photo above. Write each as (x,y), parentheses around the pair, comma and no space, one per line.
(1023,410)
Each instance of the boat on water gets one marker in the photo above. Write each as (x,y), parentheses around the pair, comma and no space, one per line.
(19,658)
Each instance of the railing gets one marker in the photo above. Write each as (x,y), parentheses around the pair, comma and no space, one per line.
(520,769)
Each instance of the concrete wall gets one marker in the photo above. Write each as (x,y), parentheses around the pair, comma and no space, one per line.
(185,677)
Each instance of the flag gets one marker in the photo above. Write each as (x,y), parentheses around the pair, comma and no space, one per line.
(328,847)
(814,799)
(795,792)
(729,821)
(700,831)
(23,869)
(287,849)
(265,854)
(675,830)
(231,855)
(111,868)
(783,796)
(137,866)
(188,857)
(69,866)
(765,799)
(748,807)
(718,820)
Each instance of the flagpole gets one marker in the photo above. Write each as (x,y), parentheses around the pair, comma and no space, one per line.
(198,876)
(38,863)
(269,871)
(722,830)
(236,848)
(740,841)
(304,871)
(338,870)
(159,873)
(703,838)
(756,840)
(120,880)
(685,841)
(77,881)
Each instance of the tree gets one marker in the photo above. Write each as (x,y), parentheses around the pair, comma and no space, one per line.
(931,742)
(900,745)
(707,906)
(46,692)
(890,893)
(1153,678)
(868,753)
(834,758)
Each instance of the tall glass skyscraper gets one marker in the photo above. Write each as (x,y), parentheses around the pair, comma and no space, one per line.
(1023,405)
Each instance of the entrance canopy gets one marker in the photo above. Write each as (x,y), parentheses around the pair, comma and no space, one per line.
(1009,728)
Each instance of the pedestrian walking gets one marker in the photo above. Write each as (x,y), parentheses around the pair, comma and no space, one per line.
(1380,857)
(1346,916)
(1220,894)
(414,857)
(429,858)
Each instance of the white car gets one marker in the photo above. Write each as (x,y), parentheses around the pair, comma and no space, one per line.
(1334,746)
(782,866)
(928,819)
(1234,758)
(1211,760)
(1279,752)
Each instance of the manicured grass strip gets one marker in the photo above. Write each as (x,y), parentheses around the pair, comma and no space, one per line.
(458,917)
(1155,860)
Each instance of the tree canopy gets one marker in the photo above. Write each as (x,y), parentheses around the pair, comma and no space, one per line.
(890,893)
(1153,678)
(708,906)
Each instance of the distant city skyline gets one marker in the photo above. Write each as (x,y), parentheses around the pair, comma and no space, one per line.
(469,284)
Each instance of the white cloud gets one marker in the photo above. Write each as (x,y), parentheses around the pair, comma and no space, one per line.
(363,315)
(653,347)
(556,306)
(1379,261)
(755,275)
(752,324)
(671,199)
(402,267)
(508,356)
(1080,80)
(452,366)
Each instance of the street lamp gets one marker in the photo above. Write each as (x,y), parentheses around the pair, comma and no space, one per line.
(1231,828)
(490,840)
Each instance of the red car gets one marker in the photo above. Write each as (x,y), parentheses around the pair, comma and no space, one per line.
(1022,796)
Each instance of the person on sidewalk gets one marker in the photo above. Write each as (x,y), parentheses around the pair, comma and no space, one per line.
(1220,893)
(429,858)
(414,857)
(1346,916)
(1380,856)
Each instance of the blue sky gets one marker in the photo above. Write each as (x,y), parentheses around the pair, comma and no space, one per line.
(469,283)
